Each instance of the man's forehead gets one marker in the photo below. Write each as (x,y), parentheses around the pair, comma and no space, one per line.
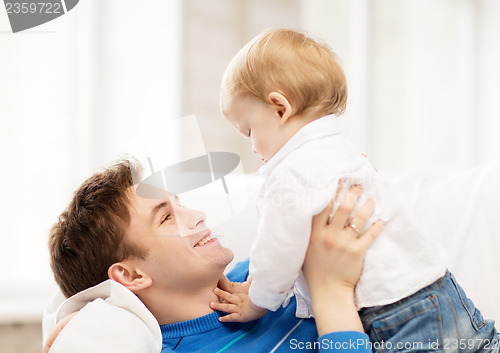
(141,209)
(139,201)
(150,193)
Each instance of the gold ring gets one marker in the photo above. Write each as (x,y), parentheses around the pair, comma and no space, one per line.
(354,228)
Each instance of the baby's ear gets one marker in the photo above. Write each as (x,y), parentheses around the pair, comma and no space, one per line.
(129,276)
(283,107)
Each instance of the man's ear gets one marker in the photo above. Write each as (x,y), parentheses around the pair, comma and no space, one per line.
(129,276)
(282,105)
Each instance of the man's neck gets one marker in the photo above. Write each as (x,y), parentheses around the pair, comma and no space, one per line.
(169,308)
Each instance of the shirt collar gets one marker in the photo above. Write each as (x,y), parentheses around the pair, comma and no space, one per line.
(322,127)
(192,327)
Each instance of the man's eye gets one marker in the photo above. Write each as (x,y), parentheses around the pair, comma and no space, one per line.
(166,218)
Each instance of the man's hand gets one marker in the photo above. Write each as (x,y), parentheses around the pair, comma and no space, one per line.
(236,302)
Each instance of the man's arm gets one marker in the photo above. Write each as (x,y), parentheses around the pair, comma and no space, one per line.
(334,262)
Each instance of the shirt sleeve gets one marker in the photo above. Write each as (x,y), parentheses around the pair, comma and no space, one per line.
(345,342)
(286,206)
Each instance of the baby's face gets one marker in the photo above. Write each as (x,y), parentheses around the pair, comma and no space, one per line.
(256,120)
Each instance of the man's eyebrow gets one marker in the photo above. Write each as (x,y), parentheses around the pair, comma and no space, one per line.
(157,208)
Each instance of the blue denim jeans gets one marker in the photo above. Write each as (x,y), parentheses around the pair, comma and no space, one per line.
(437,318)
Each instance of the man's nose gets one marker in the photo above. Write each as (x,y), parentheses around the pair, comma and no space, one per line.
(189,220)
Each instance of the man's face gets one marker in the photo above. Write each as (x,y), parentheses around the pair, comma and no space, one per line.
(181,251)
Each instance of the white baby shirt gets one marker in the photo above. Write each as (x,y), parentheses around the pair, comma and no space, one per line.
(300,180)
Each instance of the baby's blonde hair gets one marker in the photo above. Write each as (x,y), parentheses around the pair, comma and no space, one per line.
(304,70)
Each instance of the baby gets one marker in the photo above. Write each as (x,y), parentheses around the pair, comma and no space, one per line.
(284,91)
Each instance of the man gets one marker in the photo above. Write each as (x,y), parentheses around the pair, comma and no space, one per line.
(165,255)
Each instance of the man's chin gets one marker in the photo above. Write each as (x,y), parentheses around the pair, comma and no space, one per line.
(230,255)
(226,257)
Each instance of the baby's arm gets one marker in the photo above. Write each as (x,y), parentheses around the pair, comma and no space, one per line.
(236,302)
(286,207)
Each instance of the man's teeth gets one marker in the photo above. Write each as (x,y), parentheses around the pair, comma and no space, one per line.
(204,241)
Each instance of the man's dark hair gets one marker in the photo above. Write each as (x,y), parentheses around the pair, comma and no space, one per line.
(90,234)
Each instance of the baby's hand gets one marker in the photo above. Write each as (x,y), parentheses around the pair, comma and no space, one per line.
(234,287)
(236,302)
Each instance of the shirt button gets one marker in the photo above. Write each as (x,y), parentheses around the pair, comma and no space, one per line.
(376,324)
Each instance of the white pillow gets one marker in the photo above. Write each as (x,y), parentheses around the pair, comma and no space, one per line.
(110,319)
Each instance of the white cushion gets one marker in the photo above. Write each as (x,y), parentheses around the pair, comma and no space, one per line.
(110,319)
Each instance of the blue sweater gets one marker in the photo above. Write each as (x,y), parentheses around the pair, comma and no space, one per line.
(278,331)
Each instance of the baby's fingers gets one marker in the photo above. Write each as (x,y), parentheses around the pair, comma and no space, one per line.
(226,296)
(225,283)
(230,318)
(225,307)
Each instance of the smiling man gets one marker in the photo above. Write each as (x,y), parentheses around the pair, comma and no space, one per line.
(160,250)
(128,263)
(182,264)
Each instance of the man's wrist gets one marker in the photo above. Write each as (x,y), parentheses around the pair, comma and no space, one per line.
(333,301)
(334,310)
(334,293)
